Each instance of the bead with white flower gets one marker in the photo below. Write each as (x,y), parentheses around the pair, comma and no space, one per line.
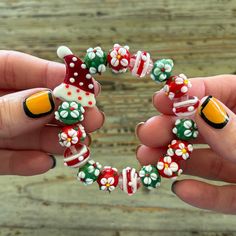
(168,167)
(118,58)
(89,173)
(161,70)
(96,60)
(185,129)
(70,113)
(150,177)
(179,150)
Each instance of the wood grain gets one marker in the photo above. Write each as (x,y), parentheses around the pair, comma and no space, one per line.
(201,38)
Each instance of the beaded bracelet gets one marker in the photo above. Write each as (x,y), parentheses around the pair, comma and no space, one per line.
(77,94)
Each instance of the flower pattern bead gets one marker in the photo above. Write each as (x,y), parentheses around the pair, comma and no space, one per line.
(168,167)
(70,113)
(150,177)
(185,129)
(161,70)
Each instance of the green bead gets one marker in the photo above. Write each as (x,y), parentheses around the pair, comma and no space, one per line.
(161,70)
(185,129)
(89,173)
(150,176)
(70,113)
(96,60)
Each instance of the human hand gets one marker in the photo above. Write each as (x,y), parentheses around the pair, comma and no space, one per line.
(28,130)
(218,162)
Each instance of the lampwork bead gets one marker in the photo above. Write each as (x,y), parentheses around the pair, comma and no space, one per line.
(89,172)
(70,113)
(141,64)
(118,58)
(185,129)
(177,86)
(186,108)
(150,177)
(179,150)
(108,179)
(76,155)
(95,60)
(161,70)
(129,180)
(168,168)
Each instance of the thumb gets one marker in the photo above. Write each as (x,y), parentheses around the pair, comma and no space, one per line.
(217,125)
(24,111)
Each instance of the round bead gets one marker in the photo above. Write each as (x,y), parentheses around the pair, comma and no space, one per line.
(118,58)
(70,135)
(177,86)
(150,176)
(185,129)
(141,64)
(89,172)
(108,179)
(96,60)
(76,155)
(186,108)
(179,150)
(168,167)
(70,113)
(161,70)
(129,180)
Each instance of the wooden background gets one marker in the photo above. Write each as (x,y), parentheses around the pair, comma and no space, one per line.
(200,35)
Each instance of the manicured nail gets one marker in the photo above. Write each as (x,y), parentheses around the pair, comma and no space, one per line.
(54,161)
(174,186)
(39,104)
(138,127)
(137,148)
(213,113)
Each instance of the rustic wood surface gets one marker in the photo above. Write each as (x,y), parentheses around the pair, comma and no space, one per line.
(199,35)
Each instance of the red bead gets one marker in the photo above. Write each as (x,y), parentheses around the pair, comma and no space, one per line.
(177,86)
(119,58)
(108,179)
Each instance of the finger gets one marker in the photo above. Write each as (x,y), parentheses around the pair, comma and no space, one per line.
(203,163)
(201,87)
(157,131)
(25,163)
(206,196)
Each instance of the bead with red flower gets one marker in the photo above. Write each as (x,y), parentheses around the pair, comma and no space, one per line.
(108,179)
(119,58)
(168,168)
(179,150)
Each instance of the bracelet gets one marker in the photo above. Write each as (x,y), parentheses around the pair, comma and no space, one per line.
(77,94)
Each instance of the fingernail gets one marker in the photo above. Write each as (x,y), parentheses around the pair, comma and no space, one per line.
(137,148)
(99,88)
(103,116)
(213,113)
(39,104)
(138,127)
(54,161)
(89,139)
(174,186)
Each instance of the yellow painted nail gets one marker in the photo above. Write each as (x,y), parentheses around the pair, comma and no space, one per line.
(39,104)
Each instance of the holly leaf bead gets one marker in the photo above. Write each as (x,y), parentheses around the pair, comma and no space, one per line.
(70,113)
(185,129)
(161,70)
(150,177)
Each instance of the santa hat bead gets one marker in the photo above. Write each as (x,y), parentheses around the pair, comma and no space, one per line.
(70,113)
(150,176)
(185,129)
(177,86)
(108,179)
(76,155)
(168,167)
(89,173)
(141,64)
(118,58)
(78,83)
(129,180)
(71,135)
(96,60)
(161,70)
(179,150)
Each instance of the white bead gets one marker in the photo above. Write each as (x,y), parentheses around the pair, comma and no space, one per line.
(75,74)
(83,66)
(88,76)
(72,64)
(81,83)
(74,59)
(72,80)
(90,86)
